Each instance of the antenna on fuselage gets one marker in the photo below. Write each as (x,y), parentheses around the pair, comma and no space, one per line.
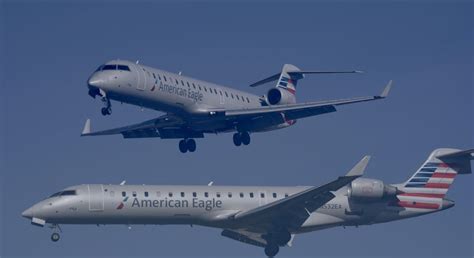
(123,182)
(210,183)
(179,73)
(137,61)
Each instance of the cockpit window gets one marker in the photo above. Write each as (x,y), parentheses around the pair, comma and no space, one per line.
(100,68)
(64,193)
(109,67)
(123,68)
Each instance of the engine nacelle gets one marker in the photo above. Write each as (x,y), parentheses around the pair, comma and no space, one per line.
(365,189)
(276,96)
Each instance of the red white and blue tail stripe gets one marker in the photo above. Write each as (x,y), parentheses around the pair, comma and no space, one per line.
(429,185)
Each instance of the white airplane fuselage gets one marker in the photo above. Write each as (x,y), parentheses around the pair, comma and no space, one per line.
(142,204)
(176,94)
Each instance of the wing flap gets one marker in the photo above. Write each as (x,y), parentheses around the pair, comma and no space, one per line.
(245,237)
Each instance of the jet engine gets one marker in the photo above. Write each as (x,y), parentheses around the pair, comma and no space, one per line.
(365,189)
(276,96)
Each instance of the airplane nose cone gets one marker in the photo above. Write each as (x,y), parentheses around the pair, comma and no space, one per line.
(96,82)
(447,204)
(28,213)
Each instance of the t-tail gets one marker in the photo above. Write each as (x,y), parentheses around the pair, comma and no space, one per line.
(287,80)
(427,188)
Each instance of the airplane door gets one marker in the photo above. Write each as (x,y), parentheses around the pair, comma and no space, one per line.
(141,78)
(96,197)
(262,196)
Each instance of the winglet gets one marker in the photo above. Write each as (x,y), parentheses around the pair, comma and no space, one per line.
(386,90)
(87,127)
(358,170)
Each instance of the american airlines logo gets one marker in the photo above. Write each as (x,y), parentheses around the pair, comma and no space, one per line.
(121,205)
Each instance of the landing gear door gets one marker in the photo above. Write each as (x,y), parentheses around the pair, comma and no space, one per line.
(96,197)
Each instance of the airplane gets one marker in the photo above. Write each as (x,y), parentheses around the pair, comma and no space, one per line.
(194,107)
(262,216)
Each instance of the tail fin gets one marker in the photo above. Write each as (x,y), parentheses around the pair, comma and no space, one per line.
(289,76)
(436,175)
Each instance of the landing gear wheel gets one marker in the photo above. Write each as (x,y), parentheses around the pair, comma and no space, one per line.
(183,146)
(191,145)
(245,137)
(237,139)
(55,237)
(271,250)
(106,111)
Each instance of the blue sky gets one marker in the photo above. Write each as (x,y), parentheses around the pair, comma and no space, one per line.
(49,49)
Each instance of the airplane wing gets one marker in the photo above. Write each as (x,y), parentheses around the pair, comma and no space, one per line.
(292,212)
(158,127)
(302,110)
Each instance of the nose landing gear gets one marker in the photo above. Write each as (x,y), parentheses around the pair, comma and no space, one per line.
(240,138)
(55,236)
(187,145)
(107,110)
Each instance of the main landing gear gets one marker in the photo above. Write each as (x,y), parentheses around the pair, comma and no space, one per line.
(241,138)
(271,250)
(107,110)
(187,145)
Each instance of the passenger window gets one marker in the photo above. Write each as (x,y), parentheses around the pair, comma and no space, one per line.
(154,76)
(170,194)
(286,195)
(232,95)
(227,95)
(182,83)
(194,194)
(251,195)
(199,87)
(182,194)
(274,195)
(159,78)
(229,195)
(194,86)
(241,195)
(176,80)
(220,92)
(262,195)
(206,194)
(188,84)
(248,100)
(237,96)
(205,89)
(218,195)
(134,194)
(124,194)
(164,77)
(215,91)
(146,194)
